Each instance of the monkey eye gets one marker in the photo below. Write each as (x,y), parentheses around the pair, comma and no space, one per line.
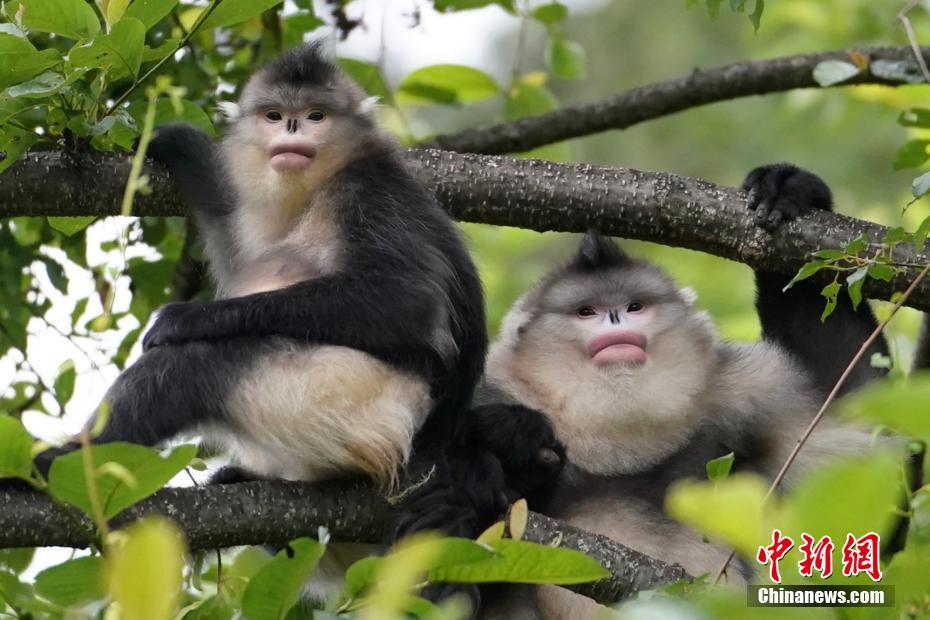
(273,115)
(316,116)
(636,306)
(586,311)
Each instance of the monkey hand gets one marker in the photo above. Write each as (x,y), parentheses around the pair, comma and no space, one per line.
(782,192)
(175,323)
(524,442)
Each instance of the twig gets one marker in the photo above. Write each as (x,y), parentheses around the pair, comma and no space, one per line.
(831,397)
(912,38)
(630,107)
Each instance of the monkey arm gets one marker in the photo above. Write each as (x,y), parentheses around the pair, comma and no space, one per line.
(791,318)
(191,157)
(390,315)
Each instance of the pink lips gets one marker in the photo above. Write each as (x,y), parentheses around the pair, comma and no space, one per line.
(618,346)
(291,156)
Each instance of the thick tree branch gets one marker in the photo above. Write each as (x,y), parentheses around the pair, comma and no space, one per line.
(653,206)
(275,512)
(700,87)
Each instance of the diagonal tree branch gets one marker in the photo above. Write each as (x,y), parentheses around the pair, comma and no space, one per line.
(627,108)
(539,195)
(250,513)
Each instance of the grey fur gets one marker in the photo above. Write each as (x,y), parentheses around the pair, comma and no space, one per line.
(632,431)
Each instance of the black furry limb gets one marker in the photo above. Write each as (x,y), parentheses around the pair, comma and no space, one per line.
(539,195)
(249,513)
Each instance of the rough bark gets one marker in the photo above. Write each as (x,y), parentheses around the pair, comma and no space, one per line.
(698,88)
(275,512)
(539,195)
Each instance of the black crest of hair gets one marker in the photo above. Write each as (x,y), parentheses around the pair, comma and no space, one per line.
(305,65)
(597,252)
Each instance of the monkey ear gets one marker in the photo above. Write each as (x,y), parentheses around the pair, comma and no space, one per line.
(688,294)
(368,105)
(598,252)
(230,109)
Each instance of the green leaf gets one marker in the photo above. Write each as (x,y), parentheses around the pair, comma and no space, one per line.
(551,13)
(857,245)
(231,12)
(518,561)
(118,52)
(148,468)
(64,382)
(525,99)
(566,58)
(880,271)
(359,576)
(15,449)
(167,48)
(862,492)
(920,235)
(165,113)
(70,225)
(16,560)
(42,85)
(115,10)
(912,155)
(915,117)
(755,18)
(368,76)
(74,19)
(830,72)
(831,255)
(900,405)
(72,582)
(14,142)
(921,185)
(145,569)
(446,84)
(909,573)
(277,586)
(830,292)
(713,7)
(732,510)
(21,61)
(854,285)
(150,12)
(805,272)
(217,607)
(719,468)
(895,235)
(465,5)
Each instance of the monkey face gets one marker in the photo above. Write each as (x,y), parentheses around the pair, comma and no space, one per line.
(293,138)
(615,334)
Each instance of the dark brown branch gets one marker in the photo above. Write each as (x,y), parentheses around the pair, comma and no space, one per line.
(539,195)
(645,103)
(265,512)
